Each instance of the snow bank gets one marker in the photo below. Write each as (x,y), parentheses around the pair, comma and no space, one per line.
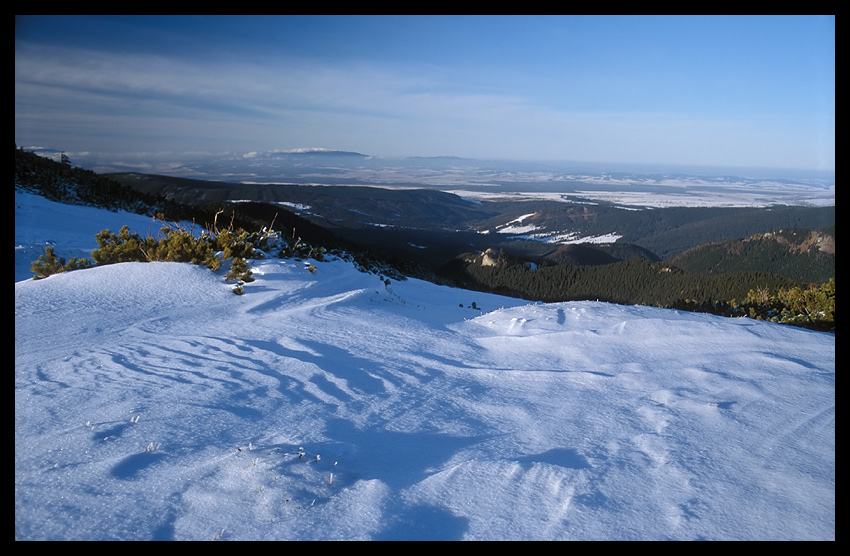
(152,403)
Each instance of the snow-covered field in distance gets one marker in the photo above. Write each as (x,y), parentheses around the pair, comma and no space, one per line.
(673,194)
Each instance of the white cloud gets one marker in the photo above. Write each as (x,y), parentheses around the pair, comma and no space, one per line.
(105,101)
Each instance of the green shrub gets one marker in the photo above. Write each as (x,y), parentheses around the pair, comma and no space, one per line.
(124,247)
(234,245)
(49,264)
(239,271)
(173,245)
(812,307)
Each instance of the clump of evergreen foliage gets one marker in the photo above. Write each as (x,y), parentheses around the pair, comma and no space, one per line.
(810,307)
(49,263)
(173,244)
(239,271)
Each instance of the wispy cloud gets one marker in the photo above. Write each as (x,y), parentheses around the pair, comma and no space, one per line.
(111,101)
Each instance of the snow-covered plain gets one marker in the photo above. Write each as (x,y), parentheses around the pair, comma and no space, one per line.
(637,195)
(153,403)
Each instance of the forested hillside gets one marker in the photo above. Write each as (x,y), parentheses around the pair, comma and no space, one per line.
(801,254)
(636,281)
(642,282)
(64,183)
(670,236)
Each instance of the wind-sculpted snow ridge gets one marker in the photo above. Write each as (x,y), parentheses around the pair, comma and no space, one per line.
(152,403)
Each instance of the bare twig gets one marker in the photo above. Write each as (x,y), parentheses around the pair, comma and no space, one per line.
(215,221)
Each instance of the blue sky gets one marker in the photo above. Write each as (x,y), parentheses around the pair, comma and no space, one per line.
(711,91)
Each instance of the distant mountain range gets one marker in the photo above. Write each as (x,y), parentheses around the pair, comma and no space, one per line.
(304,153)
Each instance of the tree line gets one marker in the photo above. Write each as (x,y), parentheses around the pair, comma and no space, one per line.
(643,282)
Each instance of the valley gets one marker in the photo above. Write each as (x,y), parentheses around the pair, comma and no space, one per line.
(533,245)
(431,228)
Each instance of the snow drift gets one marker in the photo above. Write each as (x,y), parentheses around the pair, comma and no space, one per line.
(153,403)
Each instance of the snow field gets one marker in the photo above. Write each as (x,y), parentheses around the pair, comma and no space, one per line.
(153,403)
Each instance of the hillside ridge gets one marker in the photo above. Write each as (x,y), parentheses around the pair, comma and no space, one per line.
(430,234)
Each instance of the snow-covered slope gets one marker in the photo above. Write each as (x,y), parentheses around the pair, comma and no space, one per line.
(153,403)
(70,229)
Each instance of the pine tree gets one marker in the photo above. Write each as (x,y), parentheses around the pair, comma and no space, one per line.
(239,271)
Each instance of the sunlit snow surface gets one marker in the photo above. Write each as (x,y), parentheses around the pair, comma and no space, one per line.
(153,403)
